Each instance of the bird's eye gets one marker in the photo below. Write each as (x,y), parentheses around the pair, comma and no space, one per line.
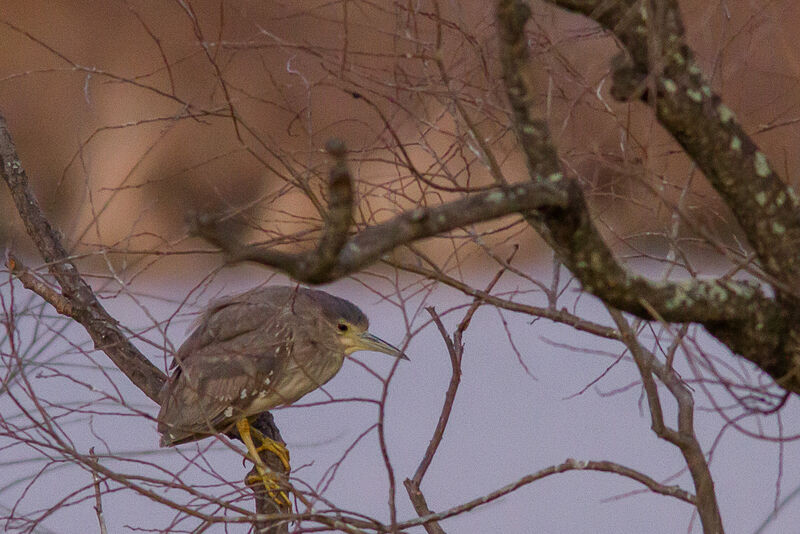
(343,327)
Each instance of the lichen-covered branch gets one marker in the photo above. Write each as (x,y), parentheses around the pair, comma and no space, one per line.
(686,106)
(739,314)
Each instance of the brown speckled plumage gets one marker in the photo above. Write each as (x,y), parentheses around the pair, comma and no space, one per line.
(253,352)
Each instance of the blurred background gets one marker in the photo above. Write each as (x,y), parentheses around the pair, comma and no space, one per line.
(131,117)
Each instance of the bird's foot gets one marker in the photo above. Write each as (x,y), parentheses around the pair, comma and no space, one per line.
(272,485)
(270,480)
(276,448)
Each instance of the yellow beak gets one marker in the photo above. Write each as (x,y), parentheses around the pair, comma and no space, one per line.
(367,341)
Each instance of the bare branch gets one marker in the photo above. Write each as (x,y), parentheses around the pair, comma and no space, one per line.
(568,465)
(684,437)
(84,306)
(413,484)
(448,146)
(367,246)
(98,501)
(31,282)
(79,302)
(553,314)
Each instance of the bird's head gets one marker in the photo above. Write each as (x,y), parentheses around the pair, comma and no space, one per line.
(351,326)
(355,337)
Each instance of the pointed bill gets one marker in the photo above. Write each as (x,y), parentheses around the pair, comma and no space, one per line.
(373,342)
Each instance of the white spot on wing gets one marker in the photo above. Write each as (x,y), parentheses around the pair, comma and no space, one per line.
(243,394)
(229,411)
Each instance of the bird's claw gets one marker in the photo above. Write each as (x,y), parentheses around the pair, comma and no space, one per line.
(273,488)
(278,449)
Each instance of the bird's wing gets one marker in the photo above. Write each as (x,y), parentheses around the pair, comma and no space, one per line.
(220,375)
(227,318)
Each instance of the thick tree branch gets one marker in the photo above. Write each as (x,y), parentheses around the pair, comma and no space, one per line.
(340,210)
(313,266)
(737,313)
(764,206)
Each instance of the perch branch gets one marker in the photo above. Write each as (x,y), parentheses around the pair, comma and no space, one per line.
(78,301)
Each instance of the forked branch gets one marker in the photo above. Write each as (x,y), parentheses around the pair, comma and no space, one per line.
(762,329)
(80,302)
(338,254)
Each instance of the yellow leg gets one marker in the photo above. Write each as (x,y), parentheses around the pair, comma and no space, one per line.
(275,447)
(269,480)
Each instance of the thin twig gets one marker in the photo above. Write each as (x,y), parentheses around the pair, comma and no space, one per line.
(568,465)
(98,503)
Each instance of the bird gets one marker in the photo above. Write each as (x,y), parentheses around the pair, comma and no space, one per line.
(255,351)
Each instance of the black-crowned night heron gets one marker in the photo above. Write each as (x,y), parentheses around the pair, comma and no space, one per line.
(256,351)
